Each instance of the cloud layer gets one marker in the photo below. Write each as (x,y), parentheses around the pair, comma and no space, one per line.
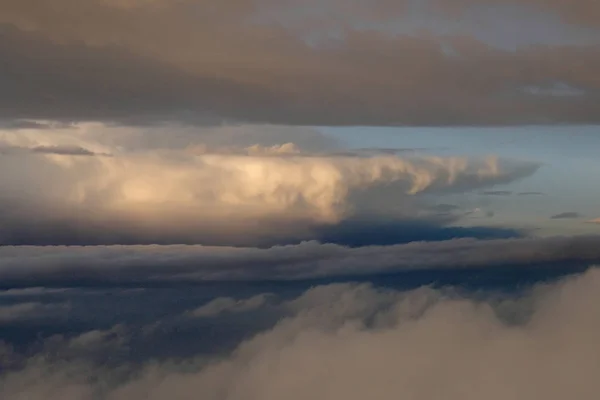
(432,63)
(351,341)
(114,265)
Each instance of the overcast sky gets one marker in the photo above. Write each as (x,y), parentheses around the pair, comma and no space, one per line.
(410,62)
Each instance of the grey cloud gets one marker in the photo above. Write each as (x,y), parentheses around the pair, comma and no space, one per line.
(31,310)
(81,75)
(222,305)
(350,341)
(497,193)
(117,66)
(445,208)
(566,215)
(92,341)
(147,323)
(73,151)
(530,194)
(558,90)
(585,12)
(59,150)
(31,292)
(68,266)
(30,124)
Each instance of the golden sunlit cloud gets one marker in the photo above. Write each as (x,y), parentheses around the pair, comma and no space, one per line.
(79,177)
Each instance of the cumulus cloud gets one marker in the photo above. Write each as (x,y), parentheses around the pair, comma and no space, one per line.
(355,341)
(101,265)
(150,191)
(328,62)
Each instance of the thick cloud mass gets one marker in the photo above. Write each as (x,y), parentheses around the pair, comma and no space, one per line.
(173,224)
(114,265)
(326,62)
(77,187)
(352,341)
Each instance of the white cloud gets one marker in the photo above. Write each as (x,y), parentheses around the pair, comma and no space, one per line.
(184,187)
(104,139)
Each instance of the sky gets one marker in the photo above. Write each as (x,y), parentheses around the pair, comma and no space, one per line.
(567,183)
(266,199)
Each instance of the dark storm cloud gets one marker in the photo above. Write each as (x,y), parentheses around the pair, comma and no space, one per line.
(108,60)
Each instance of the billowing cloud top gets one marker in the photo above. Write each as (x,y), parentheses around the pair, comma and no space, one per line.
(78,187)
(325,62)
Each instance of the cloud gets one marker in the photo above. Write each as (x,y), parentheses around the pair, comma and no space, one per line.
(92,341)
(566,215)
(31,292)
(530,194)
(59,150)
(594,221)
(32,124)
(176,264)
(71,151)
(350,341)
(31,310)
(586,12)
(188,191)
(369,232)
(444,208)
(108,139)
(222,305)
(275,62)
(497,193)
(557,90)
